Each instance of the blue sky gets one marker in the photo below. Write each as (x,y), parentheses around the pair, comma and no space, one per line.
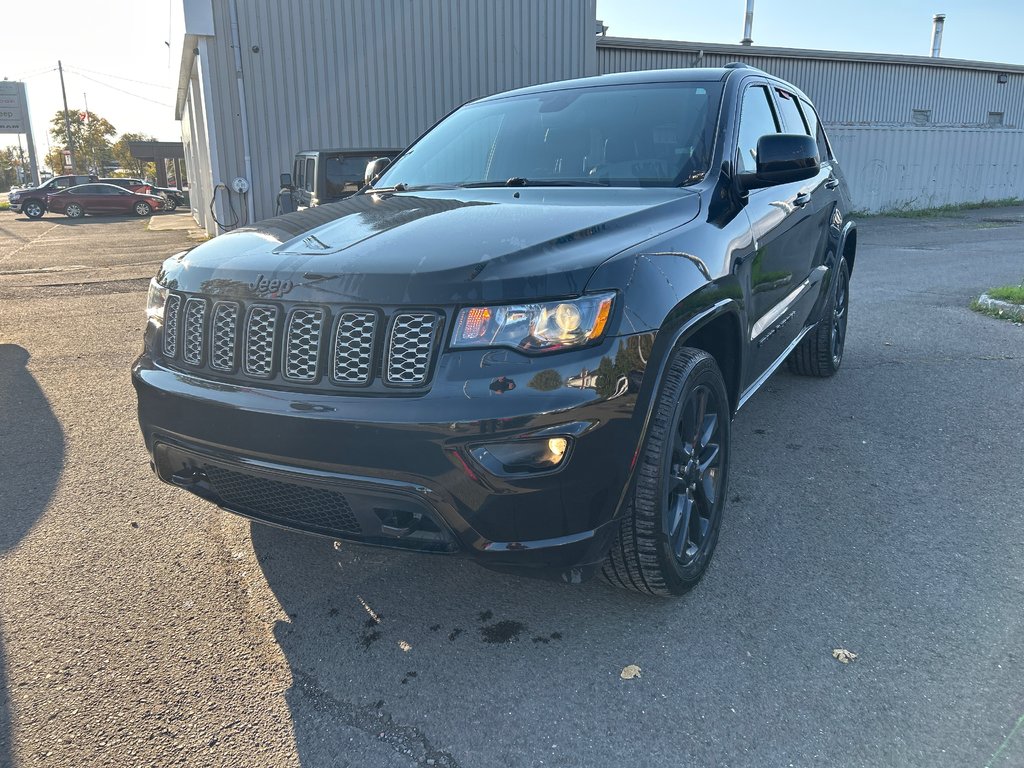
(119,61)
(986,30)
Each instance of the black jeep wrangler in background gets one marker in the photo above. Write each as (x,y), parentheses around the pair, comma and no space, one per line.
(321,176)
(526,341)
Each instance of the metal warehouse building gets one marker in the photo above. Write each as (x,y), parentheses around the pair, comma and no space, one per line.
(261,80)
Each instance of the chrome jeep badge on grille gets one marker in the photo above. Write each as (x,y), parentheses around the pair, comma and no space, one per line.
(270,288)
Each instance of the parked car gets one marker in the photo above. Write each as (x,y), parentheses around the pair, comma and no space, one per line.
(173,198)
(526,342)
(32,201)
(102,198)
(132,185)
(322,176)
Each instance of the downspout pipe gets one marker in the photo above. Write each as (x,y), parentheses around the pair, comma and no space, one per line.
(243,112)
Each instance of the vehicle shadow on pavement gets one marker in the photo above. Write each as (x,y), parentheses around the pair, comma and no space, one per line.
(370,632)
(31,459)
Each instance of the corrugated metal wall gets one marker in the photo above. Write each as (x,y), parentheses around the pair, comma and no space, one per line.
(868,110)
(372,73)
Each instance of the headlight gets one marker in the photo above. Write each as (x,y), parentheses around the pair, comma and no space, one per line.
(543,327)
(14,197)
(155,300)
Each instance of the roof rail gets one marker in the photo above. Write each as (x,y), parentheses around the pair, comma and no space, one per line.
(738,65)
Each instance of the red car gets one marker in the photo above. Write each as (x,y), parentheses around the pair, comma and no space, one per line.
(101,198)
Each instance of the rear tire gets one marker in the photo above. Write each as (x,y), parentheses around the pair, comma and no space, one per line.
(821,352)
(74,211)
(669,529)
(170,204)
(143,208)
(33,209)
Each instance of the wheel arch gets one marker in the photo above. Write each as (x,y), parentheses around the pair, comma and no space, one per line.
(848,245)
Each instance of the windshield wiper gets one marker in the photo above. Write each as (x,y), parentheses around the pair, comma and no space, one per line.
(519,181)
(403,187)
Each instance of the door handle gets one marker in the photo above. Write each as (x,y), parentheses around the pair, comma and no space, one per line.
(802,199)
(832,182)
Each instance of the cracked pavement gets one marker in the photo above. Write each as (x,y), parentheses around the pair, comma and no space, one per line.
(880,512)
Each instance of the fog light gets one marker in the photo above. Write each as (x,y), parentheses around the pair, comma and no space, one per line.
(518,457)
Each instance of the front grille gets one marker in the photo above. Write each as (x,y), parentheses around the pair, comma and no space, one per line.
(223,335)
(353,347)
(192,337)
(259,341)
(412,337)
(285,343)
(302,349)
(283,502)
(171,309)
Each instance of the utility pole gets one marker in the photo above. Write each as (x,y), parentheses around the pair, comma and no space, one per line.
(67,120)
(92,168)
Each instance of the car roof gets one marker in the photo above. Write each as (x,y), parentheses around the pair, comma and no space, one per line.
(688,75)
(347,151)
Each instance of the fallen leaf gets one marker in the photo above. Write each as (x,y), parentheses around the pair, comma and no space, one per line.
(843,655)
(404,646)
(629,672)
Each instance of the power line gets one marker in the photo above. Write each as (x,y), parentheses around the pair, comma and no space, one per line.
(122,90)
(34,74)
(119,77)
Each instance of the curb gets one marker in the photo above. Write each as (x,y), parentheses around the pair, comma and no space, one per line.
(1015,311)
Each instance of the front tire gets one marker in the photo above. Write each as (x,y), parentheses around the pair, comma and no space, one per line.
(74,211)
(143,208)
(669,530)
(33,209)
(170,204)
(821,352)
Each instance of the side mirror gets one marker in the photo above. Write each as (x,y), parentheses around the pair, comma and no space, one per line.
(782,158)
(375,168)
(286,180)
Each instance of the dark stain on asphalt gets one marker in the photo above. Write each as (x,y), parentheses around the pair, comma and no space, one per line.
(333,612)
(794,446)
(760,431)
(369,638)
(134,524)
(373,621)
(454,633)
(485,616)
(548,639)
(408,676)
(502,631)
(435,627)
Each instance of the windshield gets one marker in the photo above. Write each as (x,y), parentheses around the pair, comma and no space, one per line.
(641,135)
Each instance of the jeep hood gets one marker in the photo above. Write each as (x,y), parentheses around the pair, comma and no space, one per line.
(443,247)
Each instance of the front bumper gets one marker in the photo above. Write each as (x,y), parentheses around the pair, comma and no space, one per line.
(396,471)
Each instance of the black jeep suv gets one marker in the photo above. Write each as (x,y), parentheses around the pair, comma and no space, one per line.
(527,340)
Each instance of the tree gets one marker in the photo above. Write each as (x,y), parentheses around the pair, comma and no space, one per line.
(55,160)
(132,166)
(91,134)
(10,162)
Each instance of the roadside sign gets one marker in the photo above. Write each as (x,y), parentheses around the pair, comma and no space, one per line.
(67,158)
(13,111)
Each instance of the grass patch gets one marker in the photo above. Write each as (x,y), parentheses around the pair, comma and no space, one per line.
(4,205)
(941,210)
(1011,293)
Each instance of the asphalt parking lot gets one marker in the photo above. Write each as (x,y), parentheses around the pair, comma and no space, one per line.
(879,512)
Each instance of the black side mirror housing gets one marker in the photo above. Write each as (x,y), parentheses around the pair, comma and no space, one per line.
(375,168)
(286,180)
(782,158)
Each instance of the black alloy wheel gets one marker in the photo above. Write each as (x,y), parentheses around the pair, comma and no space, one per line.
(693,475)
(840,303)
(821,351)
(668,531)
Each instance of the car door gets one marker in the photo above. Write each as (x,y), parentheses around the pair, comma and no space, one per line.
(777,274)
(97,198)
(122,200)
(822,188)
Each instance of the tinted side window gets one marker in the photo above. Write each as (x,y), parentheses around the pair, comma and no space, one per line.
(757,118)
(791,117)
(816,130)
(310,174)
